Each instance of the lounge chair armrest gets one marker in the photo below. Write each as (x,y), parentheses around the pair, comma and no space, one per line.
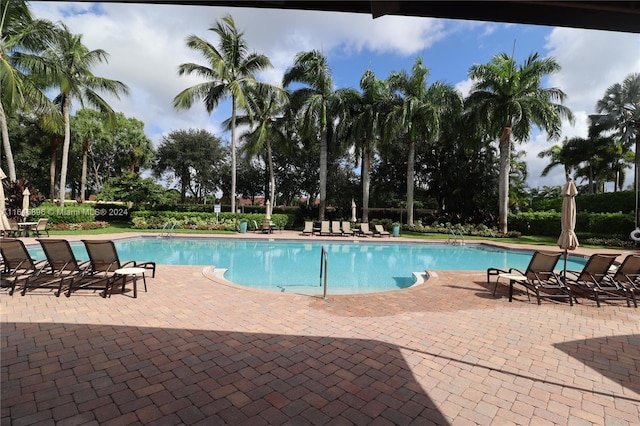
(148,265)
(512,270)
(129,263)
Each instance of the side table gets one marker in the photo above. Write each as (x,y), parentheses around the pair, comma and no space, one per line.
(132,272)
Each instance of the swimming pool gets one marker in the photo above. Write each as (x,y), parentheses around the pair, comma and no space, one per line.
(294,266)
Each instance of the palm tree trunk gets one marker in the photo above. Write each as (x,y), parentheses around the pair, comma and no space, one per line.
(272,178)
(233,154)
(503,181)
(11,167)
(636,172)
(65,151)
(410,184)
(323,172)
(83,176)
(53,149)
(366,181)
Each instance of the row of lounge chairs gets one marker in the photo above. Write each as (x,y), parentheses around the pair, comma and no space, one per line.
(61,271)
(600,279)
(343,229)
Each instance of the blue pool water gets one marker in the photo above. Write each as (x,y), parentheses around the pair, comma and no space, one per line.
(294,266)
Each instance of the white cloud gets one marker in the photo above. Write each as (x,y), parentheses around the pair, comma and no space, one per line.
(464,87)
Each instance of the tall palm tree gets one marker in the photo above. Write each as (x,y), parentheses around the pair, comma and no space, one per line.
(365,128)
(229,71)
(266,104)
(316,104)
(510,99)
(312,102)
(22,38)
(416,114)
(69,64)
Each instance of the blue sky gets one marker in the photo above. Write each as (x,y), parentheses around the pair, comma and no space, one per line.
(146,44)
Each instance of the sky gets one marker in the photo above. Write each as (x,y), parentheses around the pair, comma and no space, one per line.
(146,44)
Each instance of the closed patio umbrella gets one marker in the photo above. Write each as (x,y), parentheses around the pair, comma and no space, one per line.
(568,239)
(268,210)
(353,211)
(4,222)
(25,204)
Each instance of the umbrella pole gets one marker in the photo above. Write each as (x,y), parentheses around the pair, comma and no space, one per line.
(564,275)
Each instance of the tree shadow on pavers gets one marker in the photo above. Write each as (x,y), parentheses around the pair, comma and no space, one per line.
(80,373)
(615,357)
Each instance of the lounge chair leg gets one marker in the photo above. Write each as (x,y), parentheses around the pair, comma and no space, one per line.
(59,288)
(595,293)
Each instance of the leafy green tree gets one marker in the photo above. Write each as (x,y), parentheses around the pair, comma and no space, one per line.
(30,148)
(230,70)
(22,39)
(416,115)
(130,187)
(134,149)
(251,178)
(194,160)
(297,171)
(69,70)
(460,169)
(510,99)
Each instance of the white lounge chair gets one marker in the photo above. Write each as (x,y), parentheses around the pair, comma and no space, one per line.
(308,228)
(364,230)
(335,228)
(325,228)
(41,227)
(380,232)
(346,228)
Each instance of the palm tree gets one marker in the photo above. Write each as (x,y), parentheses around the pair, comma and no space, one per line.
(364,128)
(230,70)
(510,99)
(22,38)
(620,107)
(266,104)
(89,126)
(416,114)
(568,155)
(312,70)
(69,64)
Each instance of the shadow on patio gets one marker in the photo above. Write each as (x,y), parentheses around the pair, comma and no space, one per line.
(615,357)
(121,374)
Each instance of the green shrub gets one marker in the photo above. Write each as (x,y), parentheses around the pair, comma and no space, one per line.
(195,220)
(612,225)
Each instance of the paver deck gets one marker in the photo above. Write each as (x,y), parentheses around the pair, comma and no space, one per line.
(193,351)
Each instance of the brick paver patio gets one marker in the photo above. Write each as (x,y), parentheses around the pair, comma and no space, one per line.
(194,351)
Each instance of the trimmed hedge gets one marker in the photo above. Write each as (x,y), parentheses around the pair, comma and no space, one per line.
(607,202)
(617,225)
